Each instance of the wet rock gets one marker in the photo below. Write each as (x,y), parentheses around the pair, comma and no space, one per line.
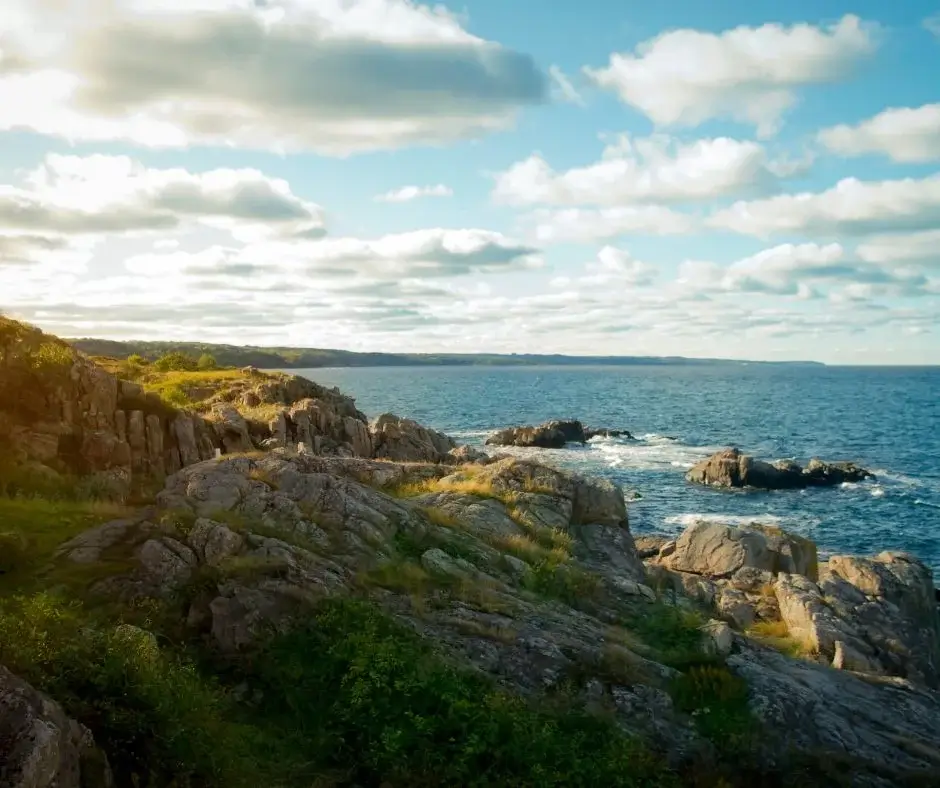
(550,435)
(604,432)
(732,468)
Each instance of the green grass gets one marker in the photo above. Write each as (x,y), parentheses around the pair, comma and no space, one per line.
(33,528)
(717,701)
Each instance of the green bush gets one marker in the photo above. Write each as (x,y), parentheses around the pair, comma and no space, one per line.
(717,699)
(175,362)
(371,698)
(158,720)
(206,361)
(13,551)
(137,360)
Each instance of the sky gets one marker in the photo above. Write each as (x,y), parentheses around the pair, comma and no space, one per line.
(730,179)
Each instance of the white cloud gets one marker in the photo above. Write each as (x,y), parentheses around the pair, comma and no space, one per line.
(324,75)
(905,134)
(340,262)
(582,224)
(113,194)
(408,193)
(851,207)
(564,88)
(804,271)
(910,248)
(684,77)
(658,169)
(613,268)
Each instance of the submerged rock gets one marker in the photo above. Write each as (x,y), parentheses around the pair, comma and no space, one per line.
(732,468)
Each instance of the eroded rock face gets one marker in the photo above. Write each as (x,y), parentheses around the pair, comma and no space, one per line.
(885,727)
(404,440)
(716,550)
(40,747)
(732,468)
(874,615)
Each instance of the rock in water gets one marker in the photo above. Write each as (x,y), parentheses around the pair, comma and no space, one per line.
(550,435)
(732,468)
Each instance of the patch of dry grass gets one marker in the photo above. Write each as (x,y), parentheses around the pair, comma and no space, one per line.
(265,477)
(776,635)
(438,516)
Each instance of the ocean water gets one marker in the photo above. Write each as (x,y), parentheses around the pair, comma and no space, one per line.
(887,419)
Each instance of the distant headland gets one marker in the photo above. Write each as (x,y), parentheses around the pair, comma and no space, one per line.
(308,358)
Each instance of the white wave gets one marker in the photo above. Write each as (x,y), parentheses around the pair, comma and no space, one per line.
(848,485)
(691,518)
(878,492)
(898,478)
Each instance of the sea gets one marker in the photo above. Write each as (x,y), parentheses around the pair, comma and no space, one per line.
(887,419)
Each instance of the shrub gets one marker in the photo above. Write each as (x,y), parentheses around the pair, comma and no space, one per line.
(206,361)
(158,720)
(175,362)
(367,695)
(717,699)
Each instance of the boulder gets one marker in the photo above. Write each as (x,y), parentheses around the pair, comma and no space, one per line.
(40,747)
(819,473)
(467,454)
(231,429)
(550,435)
(716,550)
(731,468)
(404,440)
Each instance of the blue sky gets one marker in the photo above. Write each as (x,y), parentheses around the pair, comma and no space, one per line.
(745,180)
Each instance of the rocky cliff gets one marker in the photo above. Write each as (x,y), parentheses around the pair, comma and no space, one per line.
(62,413)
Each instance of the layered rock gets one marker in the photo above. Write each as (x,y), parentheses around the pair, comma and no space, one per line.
(873,615)
(404,440)
(870,615)
(40,747)
(732,468)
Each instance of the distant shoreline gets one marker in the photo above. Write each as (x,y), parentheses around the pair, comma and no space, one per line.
(313,358)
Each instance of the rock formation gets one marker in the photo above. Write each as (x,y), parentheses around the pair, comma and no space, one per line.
(40,747)
(550,435)
(731,468)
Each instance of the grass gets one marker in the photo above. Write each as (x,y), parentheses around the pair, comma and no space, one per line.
(569,584)
(438,516)
(33,528)
(776,635)
(188,389)
(717,701)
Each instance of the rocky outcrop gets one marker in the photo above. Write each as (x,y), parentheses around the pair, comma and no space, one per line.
(731,468)
(40,747)
(887,730)
(719,551)
(404,440)
(871,615)
(550,435)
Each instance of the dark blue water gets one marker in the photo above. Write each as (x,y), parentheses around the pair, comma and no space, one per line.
(888,419)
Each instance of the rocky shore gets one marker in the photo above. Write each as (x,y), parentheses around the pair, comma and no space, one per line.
(519,571)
